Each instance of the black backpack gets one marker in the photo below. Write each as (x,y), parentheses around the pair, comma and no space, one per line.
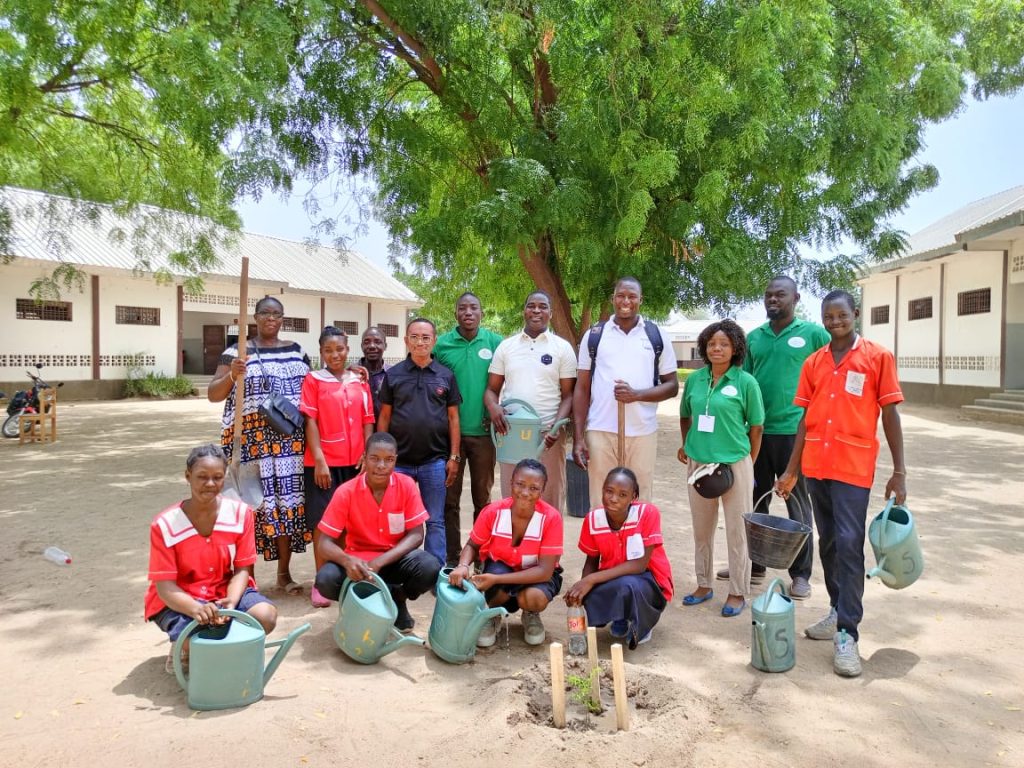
(653,334)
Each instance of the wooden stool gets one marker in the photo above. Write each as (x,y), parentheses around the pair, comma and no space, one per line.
(32,427)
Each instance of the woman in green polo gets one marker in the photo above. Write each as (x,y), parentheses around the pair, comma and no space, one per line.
(721,418)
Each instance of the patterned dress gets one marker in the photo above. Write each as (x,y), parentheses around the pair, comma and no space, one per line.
(279,457)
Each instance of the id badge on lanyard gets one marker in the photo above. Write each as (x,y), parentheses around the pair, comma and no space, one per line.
(705,421)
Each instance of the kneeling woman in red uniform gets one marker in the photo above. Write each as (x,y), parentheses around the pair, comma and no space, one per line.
(520,542)
(627,579)
(201,554)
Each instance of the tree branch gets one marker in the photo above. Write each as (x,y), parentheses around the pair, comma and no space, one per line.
(413,51)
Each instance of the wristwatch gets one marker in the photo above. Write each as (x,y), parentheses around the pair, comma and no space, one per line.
(456,458)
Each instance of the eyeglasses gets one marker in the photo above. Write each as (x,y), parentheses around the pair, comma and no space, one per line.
(270,315)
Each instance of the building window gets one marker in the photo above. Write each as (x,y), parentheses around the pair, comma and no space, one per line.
(30,309)
(694,353)
(137,315)
(295,324)
(919,309)
(391,331)
(350,327)
(880,315)
(974,302)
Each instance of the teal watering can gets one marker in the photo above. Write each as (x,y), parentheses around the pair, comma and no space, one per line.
(525,438)
(893,538)
(226,662)
(365,629)
(459,616)
(773,631)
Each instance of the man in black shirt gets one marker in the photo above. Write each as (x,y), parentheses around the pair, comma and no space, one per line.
(420,408)
(374,344)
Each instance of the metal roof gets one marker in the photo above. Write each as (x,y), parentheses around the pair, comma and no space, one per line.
(52,228)
(948,234)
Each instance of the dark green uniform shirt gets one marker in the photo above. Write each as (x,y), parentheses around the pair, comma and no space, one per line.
(735,405)
(775,361)
(469,361)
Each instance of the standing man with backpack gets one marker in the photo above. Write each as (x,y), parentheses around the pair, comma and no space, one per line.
(622,360)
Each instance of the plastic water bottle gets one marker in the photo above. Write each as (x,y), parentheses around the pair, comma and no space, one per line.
(577,621)
(57,555)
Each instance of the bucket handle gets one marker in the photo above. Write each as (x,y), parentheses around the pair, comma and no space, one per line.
(179,671)
(764,496)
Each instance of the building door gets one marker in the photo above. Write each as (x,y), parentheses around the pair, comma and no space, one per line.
(213,347)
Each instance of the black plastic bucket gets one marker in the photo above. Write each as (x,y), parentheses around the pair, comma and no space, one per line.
(774,541)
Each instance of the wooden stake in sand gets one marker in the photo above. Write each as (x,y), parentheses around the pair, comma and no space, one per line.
(619,680)
(595,669)
(557,686)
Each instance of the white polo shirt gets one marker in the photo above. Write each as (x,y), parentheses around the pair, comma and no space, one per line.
(629,357)
(533,369)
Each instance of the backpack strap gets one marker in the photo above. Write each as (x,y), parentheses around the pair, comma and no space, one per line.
(653,335)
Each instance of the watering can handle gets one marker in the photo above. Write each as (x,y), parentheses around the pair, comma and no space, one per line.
(885,520)
(179,672)
(515,401)
(348,583)
(777,584)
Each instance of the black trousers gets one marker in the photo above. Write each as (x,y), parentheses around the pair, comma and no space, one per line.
(771,462)
(479,455)
(408,578)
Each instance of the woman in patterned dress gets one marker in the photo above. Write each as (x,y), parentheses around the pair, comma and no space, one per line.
(271,365)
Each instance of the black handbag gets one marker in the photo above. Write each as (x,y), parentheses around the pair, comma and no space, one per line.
(281,414)
(712,480)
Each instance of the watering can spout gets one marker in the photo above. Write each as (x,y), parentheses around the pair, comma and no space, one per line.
(878,570)
(399,641)
(285,644)
(476,625)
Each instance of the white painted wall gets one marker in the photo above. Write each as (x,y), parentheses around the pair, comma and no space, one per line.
(917,355)
(880,291)
(116,340)
(33,339)
(973,340)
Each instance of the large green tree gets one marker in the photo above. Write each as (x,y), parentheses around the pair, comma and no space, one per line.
(697,145)
(560,143)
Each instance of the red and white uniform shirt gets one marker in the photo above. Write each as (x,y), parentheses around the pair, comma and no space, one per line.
(641,529)
(492,532)
(200,565)
(371,528)
(341,409)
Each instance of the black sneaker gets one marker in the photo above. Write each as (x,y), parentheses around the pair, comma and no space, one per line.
(404,622)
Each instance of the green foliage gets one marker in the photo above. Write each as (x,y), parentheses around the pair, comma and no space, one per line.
(158,385)
(580,687)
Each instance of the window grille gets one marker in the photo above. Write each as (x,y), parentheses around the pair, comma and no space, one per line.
(137,315)
(919,309)
(30,309)
(391,331)
(880,315)
(295,324)
(974,302)
(350,327)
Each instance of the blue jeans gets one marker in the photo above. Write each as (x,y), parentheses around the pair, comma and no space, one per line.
(430,478)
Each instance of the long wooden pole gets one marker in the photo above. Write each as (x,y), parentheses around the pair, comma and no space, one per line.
(557,686)
(243,328)
(619,681)
(622,434)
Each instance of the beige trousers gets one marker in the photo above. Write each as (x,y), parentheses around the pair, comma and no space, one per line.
(736,501)
(553,460)
(641,453)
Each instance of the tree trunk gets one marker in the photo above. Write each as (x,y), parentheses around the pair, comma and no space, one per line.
(537,262)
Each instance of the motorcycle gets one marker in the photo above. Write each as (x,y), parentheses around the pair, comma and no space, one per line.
(24,401)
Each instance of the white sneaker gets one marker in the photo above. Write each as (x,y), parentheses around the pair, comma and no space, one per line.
(825,628)
(489,634)
(846,659)
(533,628)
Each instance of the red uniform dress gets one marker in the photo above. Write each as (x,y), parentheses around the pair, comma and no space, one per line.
(201,565)
(641,529)
(341,409)
(492,532)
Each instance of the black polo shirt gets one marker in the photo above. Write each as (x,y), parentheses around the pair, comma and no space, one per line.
(419,400)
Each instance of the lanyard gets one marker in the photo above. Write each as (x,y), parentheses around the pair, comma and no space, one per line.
(711,389)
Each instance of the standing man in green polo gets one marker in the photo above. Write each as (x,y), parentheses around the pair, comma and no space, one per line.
(467,350)
(775,354)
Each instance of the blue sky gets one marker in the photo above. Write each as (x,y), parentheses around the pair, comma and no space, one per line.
(978,152)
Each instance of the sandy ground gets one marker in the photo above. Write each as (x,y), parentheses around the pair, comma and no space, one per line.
(83,679)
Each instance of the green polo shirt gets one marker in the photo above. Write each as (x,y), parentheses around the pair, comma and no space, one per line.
(736,405)
(469,361)
(775,361)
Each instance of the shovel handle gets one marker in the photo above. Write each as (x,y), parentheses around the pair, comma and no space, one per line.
(622,433)
(243,327)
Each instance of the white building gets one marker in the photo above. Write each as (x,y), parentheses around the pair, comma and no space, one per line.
(91,335)
(683,333)
(952,308)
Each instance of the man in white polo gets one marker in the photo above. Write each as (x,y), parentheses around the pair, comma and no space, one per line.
(538,367)
(627,368)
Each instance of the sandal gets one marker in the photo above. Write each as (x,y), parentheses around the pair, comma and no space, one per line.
(290,587)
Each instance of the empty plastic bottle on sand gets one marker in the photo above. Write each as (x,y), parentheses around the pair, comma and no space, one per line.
(576,618)
(57,555)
